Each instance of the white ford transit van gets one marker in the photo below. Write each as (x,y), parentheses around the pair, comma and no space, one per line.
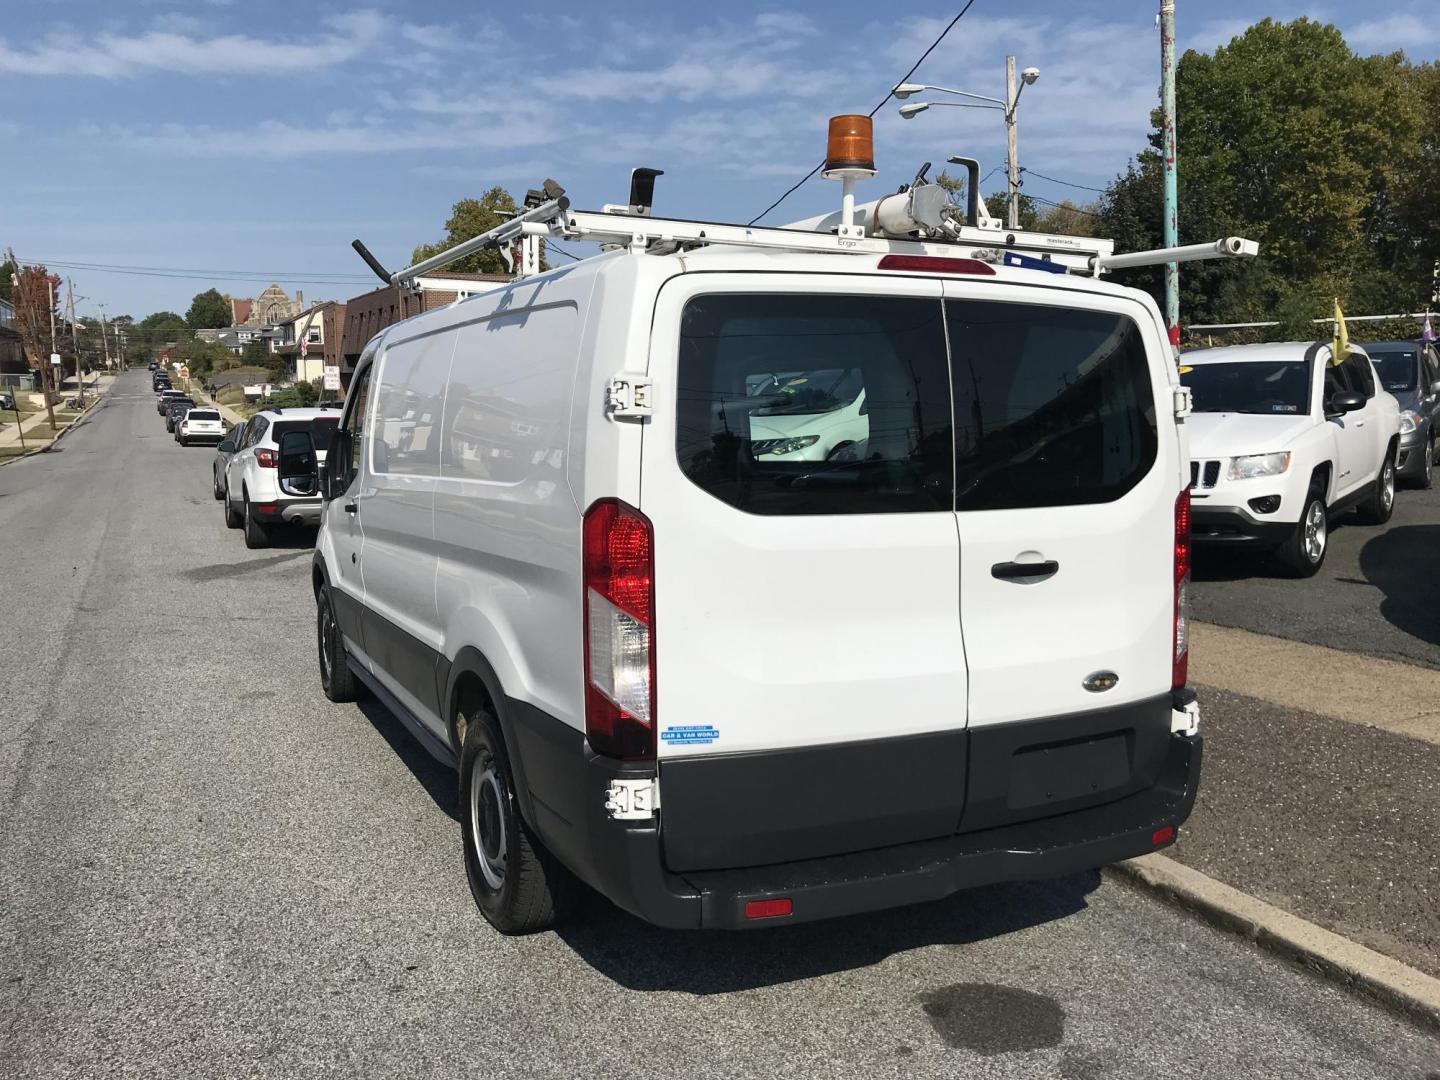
(731,687)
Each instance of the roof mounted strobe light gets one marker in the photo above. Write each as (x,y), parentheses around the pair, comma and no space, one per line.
(850,156)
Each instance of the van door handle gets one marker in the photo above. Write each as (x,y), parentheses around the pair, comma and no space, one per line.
(1013,571)
(350,507)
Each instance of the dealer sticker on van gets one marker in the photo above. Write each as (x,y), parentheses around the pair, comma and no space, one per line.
(690,734)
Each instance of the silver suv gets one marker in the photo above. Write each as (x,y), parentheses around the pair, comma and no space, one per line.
(253,496)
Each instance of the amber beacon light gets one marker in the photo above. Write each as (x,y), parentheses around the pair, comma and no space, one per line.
(850,150)
(850,156)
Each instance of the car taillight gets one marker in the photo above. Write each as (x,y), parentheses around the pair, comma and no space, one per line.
(1180,659)
(619,566)
(267,459)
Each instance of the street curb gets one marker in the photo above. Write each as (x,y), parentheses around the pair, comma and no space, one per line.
(82,419)
(1362,971)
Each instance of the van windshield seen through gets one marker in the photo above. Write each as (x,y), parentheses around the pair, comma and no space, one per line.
(321,429)
(1396,368)
(1251,386)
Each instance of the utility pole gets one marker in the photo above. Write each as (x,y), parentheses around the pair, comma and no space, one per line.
(1012,218)
(104,340)
(1171,212)
(74,337)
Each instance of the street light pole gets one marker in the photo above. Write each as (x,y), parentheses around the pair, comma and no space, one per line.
(75,339)
(1171,211)
(1012,144)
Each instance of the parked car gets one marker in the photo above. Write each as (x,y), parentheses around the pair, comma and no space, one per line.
(7,401)
(254,498)
(165,396)
(1410,370)
(954,653)
(200,425)
(223,450)
(1281,441)
(175,409)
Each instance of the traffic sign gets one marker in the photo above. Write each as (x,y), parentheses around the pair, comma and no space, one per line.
(332,377)
(55,358)
(184,372)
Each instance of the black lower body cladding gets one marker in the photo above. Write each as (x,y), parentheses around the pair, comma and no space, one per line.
(859,827)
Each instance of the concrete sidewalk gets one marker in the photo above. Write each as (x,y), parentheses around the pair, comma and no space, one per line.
(39,423)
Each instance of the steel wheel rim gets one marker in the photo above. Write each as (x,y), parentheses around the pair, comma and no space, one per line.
(1387,486)
(327,643)
(1315,532)
(488,799)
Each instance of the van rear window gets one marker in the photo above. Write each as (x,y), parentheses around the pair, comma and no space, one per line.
(799,404)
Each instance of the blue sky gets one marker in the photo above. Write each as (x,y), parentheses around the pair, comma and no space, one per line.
(262,136)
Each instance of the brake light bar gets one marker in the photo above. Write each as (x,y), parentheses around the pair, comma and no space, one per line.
(936,264)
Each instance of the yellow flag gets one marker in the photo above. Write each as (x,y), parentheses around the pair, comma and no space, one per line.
(1340,343)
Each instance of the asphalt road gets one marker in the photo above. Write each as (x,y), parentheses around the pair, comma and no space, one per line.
(208,870)
(1378,592)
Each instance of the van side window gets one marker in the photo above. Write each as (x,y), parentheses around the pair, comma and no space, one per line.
(356,419)
(1357,370)
(816,404)
(409,405)
(1053,406)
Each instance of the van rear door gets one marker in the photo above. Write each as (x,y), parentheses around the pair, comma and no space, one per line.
(810,680)
(1067,473)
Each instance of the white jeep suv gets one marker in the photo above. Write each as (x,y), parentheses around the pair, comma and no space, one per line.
(253,497)
(1281,440)
(200,425)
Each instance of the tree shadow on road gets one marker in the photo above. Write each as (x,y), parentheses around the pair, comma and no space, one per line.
(1401,563)
(639,956)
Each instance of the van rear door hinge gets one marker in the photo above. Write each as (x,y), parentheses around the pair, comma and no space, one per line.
(628,395)
(632,800)
(1182,402)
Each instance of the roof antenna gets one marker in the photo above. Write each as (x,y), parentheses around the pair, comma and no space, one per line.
(371,261)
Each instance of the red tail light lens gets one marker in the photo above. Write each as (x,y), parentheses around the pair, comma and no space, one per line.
(267,459)
(619,567)
(1180,660)
(1161,837)
(936,264)
(769,909)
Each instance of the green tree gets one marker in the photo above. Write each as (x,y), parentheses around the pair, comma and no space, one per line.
(470,218)
(161,322)
(7,270)
(255,354)
(208,311)
(1289,137)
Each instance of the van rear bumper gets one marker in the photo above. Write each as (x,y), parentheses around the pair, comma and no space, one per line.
(625,861)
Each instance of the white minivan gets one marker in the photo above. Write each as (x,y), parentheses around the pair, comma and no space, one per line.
(730,687)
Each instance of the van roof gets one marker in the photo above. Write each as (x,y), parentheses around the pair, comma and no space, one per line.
(1268,351)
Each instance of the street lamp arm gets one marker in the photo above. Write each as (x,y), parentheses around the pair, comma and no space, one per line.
(966,93)
(964,105)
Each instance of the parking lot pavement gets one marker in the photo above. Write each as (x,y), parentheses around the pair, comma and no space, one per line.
(1378,592)
(208,870)
(1327,819)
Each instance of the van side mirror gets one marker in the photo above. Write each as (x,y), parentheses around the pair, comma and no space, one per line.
(1435,387)
(226,446)
(1346,401)
(336,478)
(298,472)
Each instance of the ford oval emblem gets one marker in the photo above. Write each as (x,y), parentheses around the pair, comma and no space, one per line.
(1100,682)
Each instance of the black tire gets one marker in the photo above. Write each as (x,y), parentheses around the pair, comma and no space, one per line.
(257,534)
(518,886)
(1380,504)
(215,484)
(1303,553)
(232,519)
(336,678)
(184,441)
(1426,480)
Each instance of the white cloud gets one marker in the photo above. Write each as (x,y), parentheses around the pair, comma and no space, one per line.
(1395,32)
(108,55)
(281,139)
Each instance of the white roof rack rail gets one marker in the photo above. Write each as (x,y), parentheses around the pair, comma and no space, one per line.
(640,233)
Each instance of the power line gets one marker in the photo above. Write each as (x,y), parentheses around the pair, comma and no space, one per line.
(888,95)
(1066,183)
(550,245)
(307,278)
(1062,206)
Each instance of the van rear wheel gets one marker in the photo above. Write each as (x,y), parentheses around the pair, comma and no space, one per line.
(518,886)
(336,678)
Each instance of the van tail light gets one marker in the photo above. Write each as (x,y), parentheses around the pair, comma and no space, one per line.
(1180,658)
(936,264)
(267,459)
(619,567)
